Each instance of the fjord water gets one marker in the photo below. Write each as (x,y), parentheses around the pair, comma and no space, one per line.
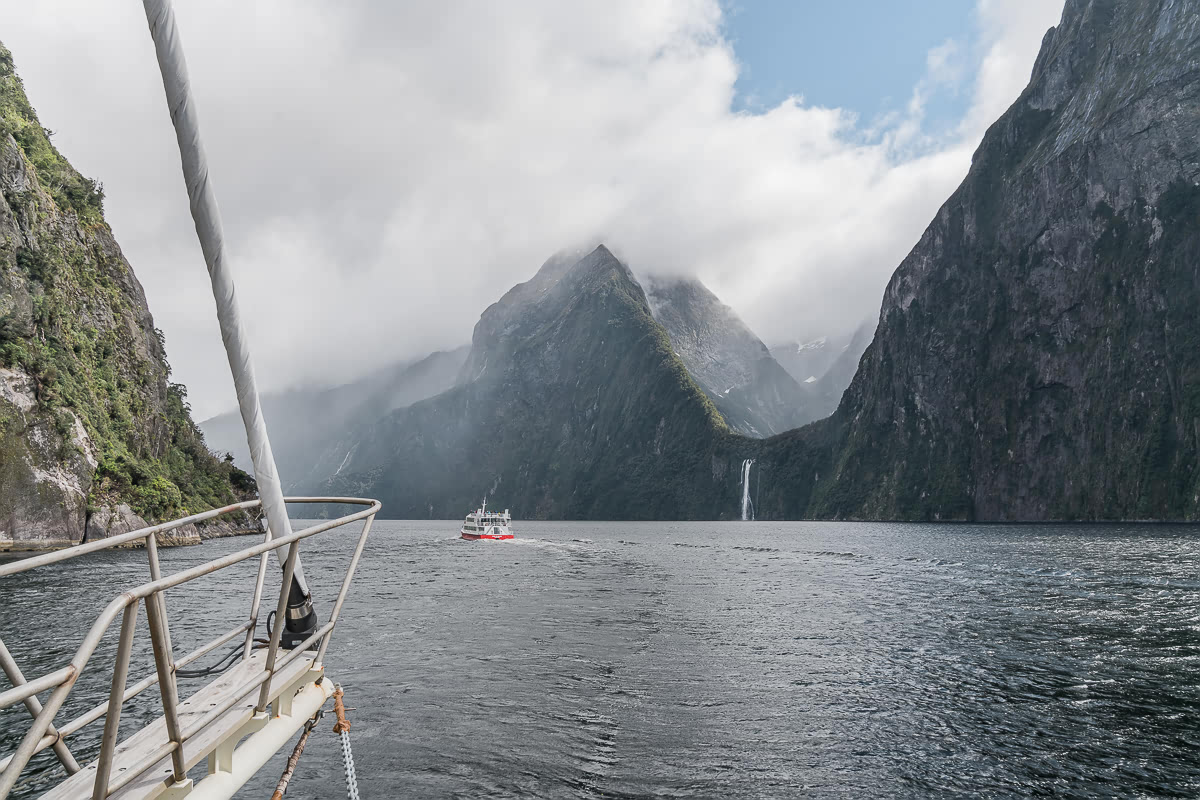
(725,659)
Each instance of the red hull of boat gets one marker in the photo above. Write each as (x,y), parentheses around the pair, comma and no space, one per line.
(475,536)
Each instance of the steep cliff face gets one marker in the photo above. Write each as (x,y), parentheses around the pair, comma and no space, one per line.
(755,395)
(1038,351)
(572,404)
(93,437)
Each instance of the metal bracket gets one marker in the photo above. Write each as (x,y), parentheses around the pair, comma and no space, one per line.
(177,790)
(221,759)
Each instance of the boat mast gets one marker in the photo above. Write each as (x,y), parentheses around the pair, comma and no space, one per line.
(207,217)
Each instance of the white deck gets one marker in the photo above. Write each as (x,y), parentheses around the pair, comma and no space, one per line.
(155,781)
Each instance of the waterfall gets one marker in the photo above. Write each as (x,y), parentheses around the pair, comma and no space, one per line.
(747,506)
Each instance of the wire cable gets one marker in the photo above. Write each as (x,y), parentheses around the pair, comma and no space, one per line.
(217,668)
(225,663)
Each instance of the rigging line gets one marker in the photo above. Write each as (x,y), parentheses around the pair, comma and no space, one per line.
(207,217)
(294,758)
(301,617)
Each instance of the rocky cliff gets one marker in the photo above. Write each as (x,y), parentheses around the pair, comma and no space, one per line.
(94,438)
(1038,351)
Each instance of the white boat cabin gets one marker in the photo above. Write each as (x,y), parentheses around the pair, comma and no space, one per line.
(484,523)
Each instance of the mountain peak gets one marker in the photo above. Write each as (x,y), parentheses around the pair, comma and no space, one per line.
(570,403)
(542,297)
(600,260)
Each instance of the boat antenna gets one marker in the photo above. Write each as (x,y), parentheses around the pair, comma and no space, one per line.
(301,619)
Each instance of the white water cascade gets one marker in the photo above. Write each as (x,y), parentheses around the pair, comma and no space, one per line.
(747,506)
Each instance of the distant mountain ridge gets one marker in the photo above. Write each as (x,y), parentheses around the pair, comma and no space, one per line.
(825,393)
(304,422)
(823,367)
(807,361)
(754,394)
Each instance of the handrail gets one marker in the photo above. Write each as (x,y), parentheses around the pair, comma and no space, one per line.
(75,551)
(33,562)
(36,686)
(9,665)
(96,713)
(63,680)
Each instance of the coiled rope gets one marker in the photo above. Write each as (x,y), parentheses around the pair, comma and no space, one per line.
(342,729)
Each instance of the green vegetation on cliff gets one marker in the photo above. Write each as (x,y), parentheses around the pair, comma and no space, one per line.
(69,189)
(73,318)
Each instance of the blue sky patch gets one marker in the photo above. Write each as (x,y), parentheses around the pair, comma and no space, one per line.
(862,56)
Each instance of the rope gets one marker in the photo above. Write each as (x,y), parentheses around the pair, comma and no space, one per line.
(342,725)
(342,729)
(294,758)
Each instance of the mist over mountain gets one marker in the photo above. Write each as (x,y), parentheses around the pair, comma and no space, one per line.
(827,364)
(825,393)
(304,421)
(571,404)
(807,361)
(756,396)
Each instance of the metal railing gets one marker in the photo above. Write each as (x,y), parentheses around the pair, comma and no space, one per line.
(42,732)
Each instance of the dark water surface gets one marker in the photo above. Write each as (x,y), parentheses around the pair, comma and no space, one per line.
(716,659)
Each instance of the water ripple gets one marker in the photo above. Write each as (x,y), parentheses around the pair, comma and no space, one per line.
(726,660)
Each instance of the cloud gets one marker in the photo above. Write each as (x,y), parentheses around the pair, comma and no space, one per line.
(1012,32)
(387,170)
(945,64)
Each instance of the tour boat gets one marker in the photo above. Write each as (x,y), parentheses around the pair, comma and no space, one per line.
(484,524)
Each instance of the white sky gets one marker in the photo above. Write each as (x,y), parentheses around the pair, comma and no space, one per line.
(386,170)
